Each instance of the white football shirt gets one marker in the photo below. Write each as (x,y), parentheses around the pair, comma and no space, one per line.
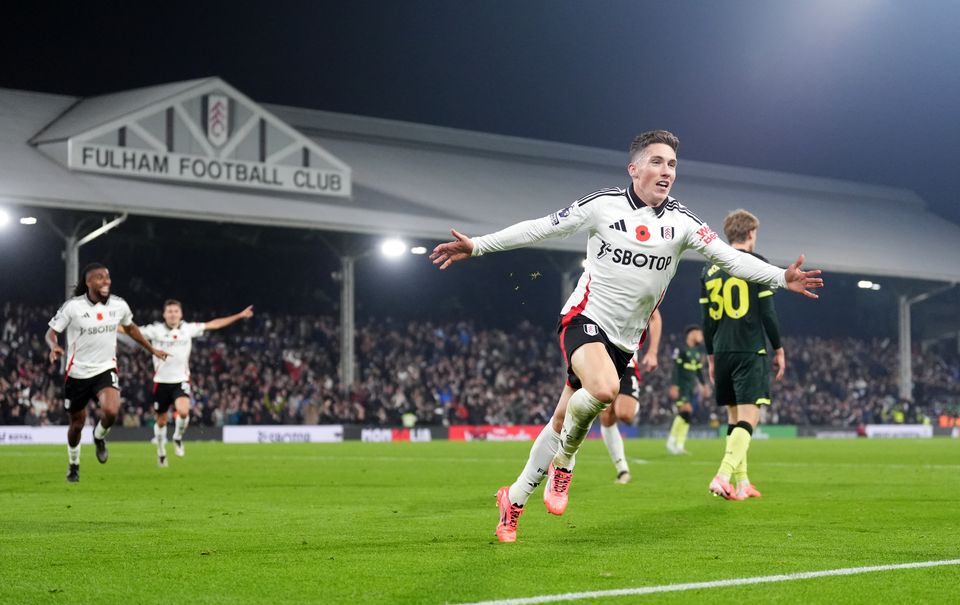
(91,330)
(632,254)
(177,342)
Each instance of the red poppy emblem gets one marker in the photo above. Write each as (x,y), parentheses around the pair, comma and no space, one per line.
(174,336)
(643,233)
(99,316)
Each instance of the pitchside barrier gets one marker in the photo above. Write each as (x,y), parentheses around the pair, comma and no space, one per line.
(335,433)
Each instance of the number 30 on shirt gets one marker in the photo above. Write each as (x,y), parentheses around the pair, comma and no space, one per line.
(720,292)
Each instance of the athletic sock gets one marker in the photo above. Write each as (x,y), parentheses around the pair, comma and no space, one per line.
(542,451)
(180,425)
(740,474)
(675,428)
(582,409)
(73,453)
(614,442)
(99,432)
(683,430)
(737,445)
(160,432)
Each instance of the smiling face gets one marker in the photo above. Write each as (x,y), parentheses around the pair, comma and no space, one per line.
(653,171)
(172,315)
(98,284)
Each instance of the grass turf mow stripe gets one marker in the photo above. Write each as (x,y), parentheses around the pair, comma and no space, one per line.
(643,590)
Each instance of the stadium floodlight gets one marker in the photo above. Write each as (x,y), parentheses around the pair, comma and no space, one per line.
(875,286)
(866,284)
(418,250)
(4,218)
(393,248)
(28,220)
(583,263)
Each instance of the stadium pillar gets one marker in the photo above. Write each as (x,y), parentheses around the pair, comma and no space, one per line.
(347,327)
(72,244)
(906,370)
(906,359)
(71,257)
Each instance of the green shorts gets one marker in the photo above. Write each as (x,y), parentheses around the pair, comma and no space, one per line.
(686,397)
(742,378)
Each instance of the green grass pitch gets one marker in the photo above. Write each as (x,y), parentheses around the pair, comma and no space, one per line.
(413,523)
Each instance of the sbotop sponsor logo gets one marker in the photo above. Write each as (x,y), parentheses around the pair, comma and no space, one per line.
(98,329)
(652,262)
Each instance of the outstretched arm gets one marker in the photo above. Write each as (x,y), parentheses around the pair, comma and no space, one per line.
(134,332)
(562,223)
(746,266)
(223,322)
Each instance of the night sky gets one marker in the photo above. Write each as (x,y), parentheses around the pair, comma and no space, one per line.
(865,90)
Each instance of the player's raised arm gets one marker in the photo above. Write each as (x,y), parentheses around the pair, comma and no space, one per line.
(56,351)
(746,266)
(134,332)
(223,322)
(561,223)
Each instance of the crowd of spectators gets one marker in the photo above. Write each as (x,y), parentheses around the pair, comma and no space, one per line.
(280,369)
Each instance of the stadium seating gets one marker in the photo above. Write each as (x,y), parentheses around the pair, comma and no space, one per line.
(282,369)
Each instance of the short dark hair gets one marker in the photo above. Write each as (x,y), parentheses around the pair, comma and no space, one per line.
(645,139)
(172,301)
(81,288)
(691,328)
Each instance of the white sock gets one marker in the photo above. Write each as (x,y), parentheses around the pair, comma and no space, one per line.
(179,427)
(99,432)
(73,454)
(542,451)
(582,409)
(160,432)
(614,442)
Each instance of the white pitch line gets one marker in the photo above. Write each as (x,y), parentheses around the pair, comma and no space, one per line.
(620,592)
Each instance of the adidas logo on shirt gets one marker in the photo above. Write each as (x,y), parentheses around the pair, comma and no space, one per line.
(619,226)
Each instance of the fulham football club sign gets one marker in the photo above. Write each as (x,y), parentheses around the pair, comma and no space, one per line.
(208,133)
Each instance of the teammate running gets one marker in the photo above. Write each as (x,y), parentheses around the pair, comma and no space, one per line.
(738,318)
(636,238)
(171,379)
(91,319)
(687,378)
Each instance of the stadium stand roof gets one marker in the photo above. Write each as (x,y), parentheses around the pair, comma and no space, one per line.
(418,181)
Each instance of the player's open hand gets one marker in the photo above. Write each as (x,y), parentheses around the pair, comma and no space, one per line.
(55,354)
(450,252)
(649,361)
(779,363)
(803,281)
(161,354)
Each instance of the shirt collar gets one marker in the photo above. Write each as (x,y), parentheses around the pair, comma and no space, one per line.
(636,203)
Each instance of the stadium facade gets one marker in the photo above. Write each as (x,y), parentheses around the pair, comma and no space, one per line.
(202,150)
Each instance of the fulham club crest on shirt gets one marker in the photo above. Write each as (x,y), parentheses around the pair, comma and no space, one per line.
(590,329)
(666,233)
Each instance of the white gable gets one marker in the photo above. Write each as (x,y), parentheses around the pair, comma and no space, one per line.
(202,132)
